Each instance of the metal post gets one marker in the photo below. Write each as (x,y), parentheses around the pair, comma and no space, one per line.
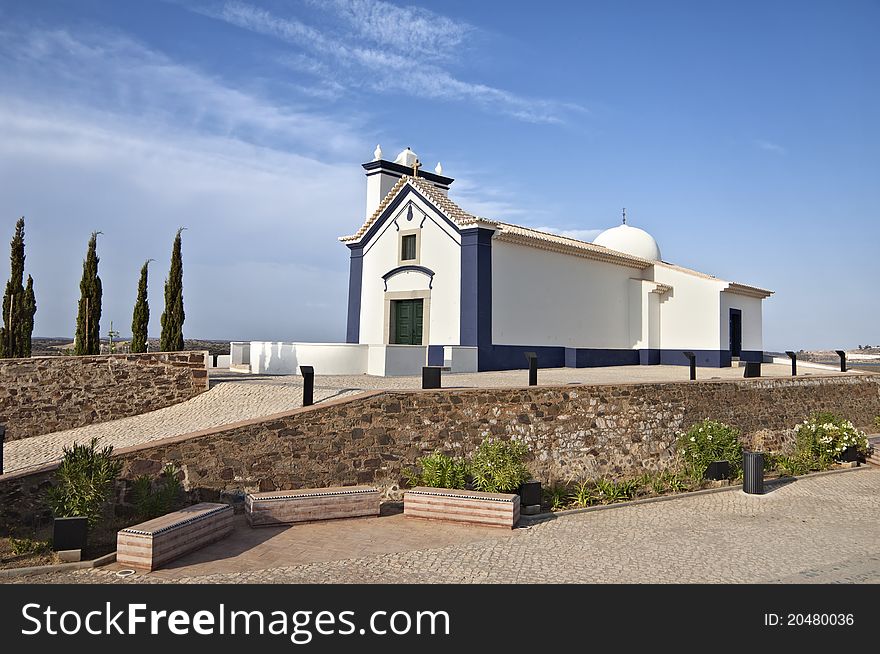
(533,368)
(842,356)
(308,373)
(2,440)
(693,359)
(793,357)
(753,473)
(431,376)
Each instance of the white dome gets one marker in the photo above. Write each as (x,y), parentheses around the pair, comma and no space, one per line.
(630,240)
(406,158)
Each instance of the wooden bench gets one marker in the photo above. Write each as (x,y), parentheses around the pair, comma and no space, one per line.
(474,507)
(309,504)
(150,544)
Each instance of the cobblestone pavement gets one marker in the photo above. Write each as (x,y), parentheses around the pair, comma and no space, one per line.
(225,403)
(546,376)
(823,528)
(239,396)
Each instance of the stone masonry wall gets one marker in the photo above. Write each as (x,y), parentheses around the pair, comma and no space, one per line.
(46,394)
(574,432)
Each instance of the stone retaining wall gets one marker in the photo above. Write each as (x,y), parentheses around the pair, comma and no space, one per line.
(574,432)
(46,394)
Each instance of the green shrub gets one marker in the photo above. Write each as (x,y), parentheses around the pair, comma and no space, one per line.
(438,471)
(557,496)
(611,491)
(497,466)
(795,465)
(877,422)
(22,546)
(824,436)
(152,499)
(84,481)
(586,494)
(710,441)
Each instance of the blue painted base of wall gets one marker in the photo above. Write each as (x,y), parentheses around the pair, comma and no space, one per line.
(577,357)
(435,355)
(512,357)
(752,355)
(705,358)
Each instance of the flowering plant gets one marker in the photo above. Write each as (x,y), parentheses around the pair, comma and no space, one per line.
(709,441)
(826,436)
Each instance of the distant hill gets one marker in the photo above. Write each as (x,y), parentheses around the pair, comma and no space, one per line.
(41,347)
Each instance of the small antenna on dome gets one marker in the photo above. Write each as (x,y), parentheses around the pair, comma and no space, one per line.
(624,215)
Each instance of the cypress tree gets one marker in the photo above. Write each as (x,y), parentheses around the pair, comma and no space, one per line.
(27,324)
(140,319)
(88,340)
(173,316)
(14,299)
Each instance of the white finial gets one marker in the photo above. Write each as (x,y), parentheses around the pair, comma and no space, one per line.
(377,153)
(438,169)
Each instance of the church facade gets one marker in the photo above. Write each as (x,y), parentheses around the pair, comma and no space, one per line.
(479,293)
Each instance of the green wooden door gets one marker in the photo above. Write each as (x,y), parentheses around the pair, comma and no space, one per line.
(407,322)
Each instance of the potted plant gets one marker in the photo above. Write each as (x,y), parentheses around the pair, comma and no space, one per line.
(83,484)
(711,450)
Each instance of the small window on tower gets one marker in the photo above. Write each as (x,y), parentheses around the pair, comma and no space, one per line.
(408,247)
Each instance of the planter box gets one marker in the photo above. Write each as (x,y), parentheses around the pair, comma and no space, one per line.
(472,507)
(307,505)
(150,544)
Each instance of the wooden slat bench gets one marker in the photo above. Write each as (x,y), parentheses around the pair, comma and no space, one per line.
(492,509)
(306,505)
(150,544)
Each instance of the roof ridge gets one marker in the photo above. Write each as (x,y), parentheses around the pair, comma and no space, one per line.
(452,211)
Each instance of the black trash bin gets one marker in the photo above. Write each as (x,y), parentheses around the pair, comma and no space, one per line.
(753,369)
(753,473)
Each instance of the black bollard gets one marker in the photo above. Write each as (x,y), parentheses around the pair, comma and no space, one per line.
(431,376)
(2,440)
(793,357)
(308,373)
(753,369)
(842,356)
(533,368)
(693,359)
(753,473)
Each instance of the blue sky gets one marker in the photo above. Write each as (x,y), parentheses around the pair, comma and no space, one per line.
(744,136)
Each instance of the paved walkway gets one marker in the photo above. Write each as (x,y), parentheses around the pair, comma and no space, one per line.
(234,397)
(223,404)
(823,528)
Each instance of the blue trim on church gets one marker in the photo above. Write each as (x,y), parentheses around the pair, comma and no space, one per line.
(475,328)
(435,355)
(409,268)
(355,282)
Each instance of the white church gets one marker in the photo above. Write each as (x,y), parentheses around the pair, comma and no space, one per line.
(433,284)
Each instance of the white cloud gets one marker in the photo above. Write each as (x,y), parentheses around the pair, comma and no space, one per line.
(769,146)
(405,29)
(125,77)
(398,65)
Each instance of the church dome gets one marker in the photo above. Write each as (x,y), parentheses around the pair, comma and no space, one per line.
(630,240)
(407,158)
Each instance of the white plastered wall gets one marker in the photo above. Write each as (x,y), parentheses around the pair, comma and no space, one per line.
(690,313)
(540,297)
(752,322)
(440,251)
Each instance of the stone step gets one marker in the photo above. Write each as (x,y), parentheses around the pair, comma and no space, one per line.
(874,441)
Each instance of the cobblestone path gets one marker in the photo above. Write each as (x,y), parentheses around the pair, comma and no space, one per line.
(822,528)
